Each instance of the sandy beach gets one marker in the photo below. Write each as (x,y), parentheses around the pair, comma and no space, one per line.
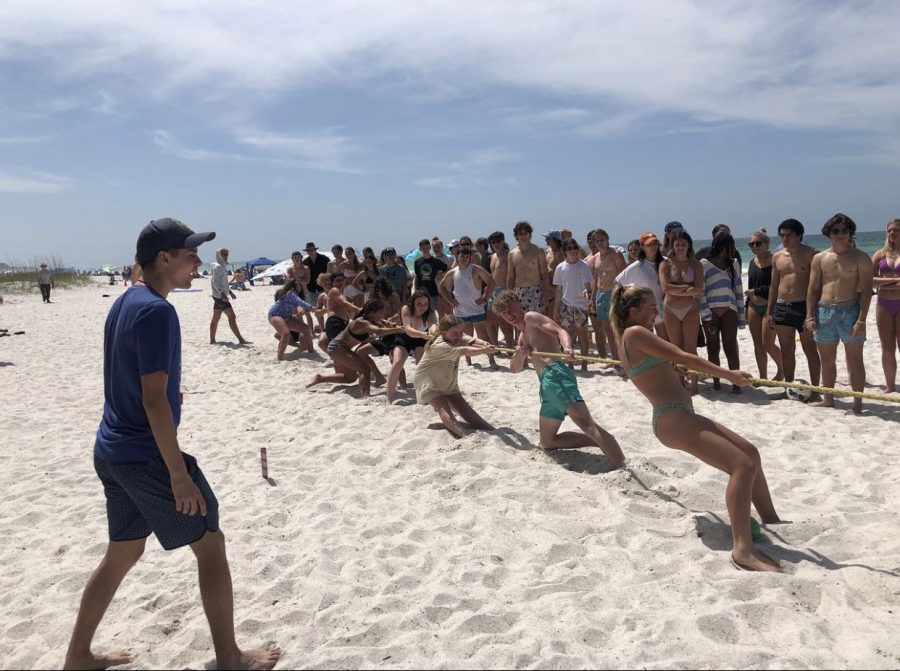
(382,541)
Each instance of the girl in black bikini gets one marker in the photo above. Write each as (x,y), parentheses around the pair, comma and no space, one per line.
(367,276)
(365,325)
(759,278)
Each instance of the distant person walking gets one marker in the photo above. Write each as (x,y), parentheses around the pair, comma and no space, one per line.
(151,486)
(221,293)
(45,282)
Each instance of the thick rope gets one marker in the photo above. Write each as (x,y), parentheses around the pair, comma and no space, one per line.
(755,380)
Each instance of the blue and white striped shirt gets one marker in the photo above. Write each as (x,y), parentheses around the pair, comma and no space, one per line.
(722,289)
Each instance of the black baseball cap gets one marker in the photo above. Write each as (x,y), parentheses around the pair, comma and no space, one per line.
(167,233)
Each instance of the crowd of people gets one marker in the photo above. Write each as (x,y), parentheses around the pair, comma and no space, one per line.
(795,293)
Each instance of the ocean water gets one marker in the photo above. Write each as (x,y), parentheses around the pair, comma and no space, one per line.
(867,241)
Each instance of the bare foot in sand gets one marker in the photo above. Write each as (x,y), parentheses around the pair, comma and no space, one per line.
(823,403)
(92,661)
(755,561)
(263,658)
(316,380)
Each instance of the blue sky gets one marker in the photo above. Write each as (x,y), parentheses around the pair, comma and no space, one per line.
(381,123)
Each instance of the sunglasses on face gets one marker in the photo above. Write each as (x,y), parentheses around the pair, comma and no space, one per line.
(840,231)
(756,243)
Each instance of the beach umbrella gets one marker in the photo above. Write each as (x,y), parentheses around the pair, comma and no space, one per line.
(278,268)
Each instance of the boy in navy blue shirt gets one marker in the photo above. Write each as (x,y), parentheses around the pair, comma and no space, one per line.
(151,486)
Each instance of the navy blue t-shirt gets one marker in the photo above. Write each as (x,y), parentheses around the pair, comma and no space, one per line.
(142,336)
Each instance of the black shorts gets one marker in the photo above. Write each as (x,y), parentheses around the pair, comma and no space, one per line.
(409,343)
(219,304)
(790,313)
(383,345)
(139,502)
(333,327)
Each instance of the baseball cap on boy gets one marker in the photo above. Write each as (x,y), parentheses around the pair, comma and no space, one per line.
(167,233)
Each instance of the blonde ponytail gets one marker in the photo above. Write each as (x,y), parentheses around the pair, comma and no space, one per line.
(622,300)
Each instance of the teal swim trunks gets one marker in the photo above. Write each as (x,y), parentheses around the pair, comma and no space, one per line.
(601,305)
(558,390)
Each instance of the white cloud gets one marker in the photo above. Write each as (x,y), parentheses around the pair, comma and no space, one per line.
(439,182)
(482,158)
(795,65)
(169,145)
(23,139)
(469,170)
(324,150)
(107,104)
(30,181)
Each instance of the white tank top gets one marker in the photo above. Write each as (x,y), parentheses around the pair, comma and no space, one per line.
(465,293)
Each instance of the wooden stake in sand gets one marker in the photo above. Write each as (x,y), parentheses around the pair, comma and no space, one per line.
(264,462)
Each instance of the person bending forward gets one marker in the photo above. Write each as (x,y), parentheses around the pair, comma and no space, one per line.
(558,387)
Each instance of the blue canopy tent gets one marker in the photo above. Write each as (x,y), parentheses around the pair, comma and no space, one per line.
(258,263)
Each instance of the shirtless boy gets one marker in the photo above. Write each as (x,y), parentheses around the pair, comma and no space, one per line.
(499,271)
(840,290)
(339,310)
(558,386)
(605,264)
(786,312)
(527,274)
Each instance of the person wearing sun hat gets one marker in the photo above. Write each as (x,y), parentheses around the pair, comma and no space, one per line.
(317,264)
(150,485)
(645,273)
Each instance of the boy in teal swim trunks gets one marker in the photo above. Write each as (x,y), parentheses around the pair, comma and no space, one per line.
(558,386)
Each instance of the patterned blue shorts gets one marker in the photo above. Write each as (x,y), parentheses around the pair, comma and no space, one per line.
(139,502)
(835,323)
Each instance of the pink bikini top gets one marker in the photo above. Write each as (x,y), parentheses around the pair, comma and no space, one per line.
(677,278)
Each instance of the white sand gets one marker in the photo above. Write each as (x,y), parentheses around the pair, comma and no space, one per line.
(384,542)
